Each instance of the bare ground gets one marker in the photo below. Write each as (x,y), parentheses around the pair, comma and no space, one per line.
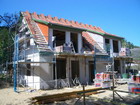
(9,97)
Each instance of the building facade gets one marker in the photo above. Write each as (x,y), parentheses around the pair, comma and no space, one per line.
(50,50)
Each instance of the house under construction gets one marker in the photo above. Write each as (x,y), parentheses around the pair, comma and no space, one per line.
(49,50)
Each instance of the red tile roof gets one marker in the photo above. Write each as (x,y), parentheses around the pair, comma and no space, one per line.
(88,38)
(61,21)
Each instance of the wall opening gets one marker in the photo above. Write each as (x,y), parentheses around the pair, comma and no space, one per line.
(86,45)
(59,38)
(107,45)
(75,69)
(91,71)
(61,69)
(115,46)
(117,66)
(74,39)
(106,41)
(28,73)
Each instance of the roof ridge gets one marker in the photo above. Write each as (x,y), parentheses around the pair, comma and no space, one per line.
(59,20)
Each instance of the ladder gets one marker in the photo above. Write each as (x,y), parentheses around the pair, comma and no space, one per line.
(72,47)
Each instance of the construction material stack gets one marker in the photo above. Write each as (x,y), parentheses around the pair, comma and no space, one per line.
(134,84)
(102,80)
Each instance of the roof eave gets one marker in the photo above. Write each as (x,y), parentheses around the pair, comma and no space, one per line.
(74,28)
(94,31)
(118,37)
(58,25)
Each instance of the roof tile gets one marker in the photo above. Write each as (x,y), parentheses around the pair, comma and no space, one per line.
(62,21)
(82,25)
(88,38)
(42,17)
(68,22)
(35,15)
(27,14)
(49,18)
(56,19)
(73,23)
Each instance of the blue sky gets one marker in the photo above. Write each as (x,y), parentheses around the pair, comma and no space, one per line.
(120,17)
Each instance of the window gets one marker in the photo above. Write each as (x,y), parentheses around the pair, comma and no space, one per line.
(117,66)
(106,41)
(61,69)
(107,45)
(59,38)
(28,73)
(115,46)
(28,43)
(75,69)
(74,39)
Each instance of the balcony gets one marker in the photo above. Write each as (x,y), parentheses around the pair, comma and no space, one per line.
(65,48)
(103,58)
(125,52)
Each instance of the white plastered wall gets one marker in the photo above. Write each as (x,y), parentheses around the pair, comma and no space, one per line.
(98,38)
(33,81)
(40,76)
(111,46)
(83,68)
(100,67)
(46,74)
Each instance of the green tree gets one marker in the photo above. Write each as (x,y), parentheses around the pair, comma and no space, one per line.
(8,28)
(128,44)
(3,44)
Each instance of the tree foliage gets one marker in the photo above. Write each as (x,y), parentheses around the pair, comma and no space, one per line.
(3,41)
(8,20)
(128,44)
(8,24)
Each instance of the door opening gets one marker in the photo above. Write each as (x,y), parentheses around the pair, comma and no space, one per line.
(75,69)
(91,71)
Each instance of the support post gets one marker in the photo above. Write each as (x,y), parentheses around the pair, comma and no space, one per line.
(84,101)
(50,38)
(111,48)
(55,61)
(79,42)
(67,37)
(113,79)
(119,45)
(94,60)
(15,64)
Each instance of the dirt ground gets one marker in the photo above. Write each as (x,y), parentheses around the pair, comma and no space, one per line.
(104,97)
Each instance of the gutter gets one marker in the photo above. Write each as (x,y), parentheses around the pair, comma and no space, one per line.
(41,21)
(113,36)
(95,32)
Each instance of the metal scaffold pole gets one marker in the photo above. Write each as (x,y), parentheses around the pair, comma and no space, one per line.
(15,64)
(55,61)
(94,60)
(113,82)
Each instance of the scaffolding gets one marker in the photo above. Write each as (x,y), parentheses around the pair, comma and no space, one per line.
(21,59)
(15,62)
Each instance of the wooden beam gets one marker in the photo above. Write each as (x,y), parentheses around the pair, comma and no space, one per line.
(63,96)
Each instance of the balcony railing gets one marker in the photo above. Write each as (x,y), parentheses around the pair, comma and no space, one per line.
(103,58)
(66,48)
(125,52)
